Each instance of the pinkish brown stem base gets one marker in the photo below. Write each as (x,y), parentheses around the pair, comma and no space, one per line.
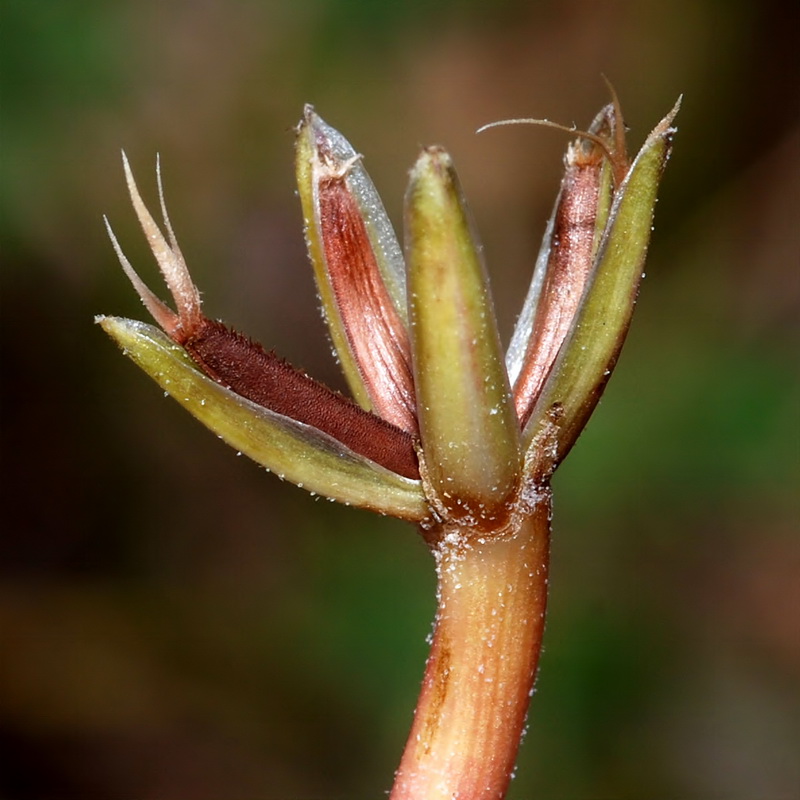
(479,676)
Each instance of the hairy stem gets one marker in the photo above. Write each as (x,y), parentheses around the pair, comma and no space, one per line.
(479,676)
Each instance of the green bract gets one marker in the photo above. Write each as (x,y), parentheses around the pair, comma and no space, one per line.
(469,432)
(290,449)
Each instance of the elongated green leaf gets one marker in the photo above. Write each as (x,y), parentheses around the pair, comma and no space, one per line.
(294,451)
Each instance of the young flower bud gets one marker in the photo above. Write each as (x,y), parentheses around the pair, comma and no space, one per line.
(578,221)
(469,432)
(599,323)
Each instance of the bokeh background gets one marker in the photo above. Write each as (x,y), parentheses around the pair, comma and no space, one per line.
(174,623)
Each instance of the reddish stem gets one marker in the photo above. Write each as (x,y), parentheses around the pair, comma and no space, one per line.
(479,676)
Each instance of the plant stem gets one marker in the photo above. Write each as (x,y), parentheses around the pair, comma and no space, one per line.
(469,719)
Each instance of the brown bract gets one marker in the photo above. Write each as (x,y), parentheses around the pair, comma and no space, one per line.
(570,263)
(359,270)
(375,333)
(238,363)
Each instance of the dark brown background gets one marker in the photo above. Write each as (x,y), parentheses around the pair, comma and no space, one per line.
(174,623)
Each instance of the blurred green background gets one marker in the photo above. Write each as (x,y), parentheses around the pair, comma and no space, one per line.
(174,623)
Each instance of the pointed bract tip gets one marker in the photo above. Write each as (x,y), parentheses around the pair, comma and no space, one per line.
(670,118)
(170,261)
(160,312)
